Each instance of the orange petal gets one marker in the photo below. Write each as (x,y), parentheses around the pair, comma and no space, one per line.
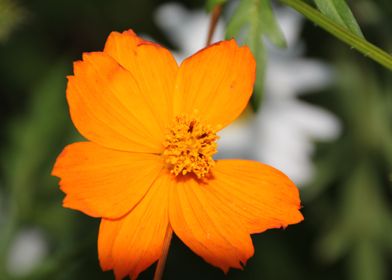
(257,194)
(103,182)
(216,82)
(151,65)
(133,243)
(198,220)
(108,106)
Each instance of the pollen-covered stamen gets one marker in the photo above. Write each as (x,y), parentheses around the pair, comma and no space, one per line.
(189,146)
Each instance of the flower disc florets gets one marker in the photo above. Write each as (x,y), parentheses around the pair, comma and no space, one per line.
(189,146)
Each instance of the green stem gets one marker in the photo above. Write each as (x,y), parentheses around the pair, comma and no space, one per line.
(341,33)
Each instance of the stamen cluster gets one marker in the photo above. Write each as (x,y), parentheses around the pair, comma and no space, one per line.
(189,146)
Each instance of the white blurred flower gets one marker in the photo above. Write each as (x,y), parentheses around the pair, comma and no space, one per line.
(283,132)
(28,248)
(187,29)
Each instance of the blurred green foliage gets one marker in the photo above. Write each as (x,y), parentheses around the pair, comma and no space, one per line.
(348,215)
(252,20)
(11,15)
(360,226)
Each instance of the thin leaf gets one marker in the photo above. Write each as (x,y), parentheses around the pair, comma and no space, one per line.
(255,43)
(248,22)
(340,13)
(270,26)
(239,20)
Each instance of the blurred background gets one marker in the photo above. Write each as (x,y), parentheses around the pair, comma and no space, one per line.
(325,119)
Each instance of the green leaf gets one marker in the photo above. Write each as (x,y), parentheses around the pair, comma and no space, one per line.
(251,20)
(340,13)
(341,33)
(239,20)
(270,26)
(255,43)
(210,5)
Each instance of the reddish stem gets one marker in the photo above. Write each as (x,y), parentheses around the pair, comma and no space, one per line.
(165,250)
(216,12)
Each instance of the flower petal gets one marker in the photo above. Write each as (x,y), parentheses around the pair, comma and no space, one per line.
(257,194)
(152,66)
(108,106)
(216,82)
(133,243)
(103,182)
(197,219)
(214,218)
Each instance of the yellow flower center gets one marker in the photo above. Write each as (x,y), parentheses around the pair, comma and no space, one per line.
(189,147)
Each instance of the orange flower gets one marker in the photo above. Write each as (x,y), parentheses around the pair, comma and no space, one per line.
(147,167)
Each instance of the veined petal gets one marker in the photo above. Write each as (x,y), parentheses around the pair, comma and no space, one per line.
(151,65)
(108,106)
(259,195)
(215,218)
(198,220)
(102,182)
(131,244)
(216,83)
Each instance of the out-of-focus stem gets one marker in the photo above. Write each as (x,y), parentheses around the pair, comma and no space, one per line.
(216,12)
(165,250)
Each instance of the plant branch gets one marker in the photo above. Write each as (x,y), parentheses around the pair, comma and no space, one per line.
(165,250)
(216,12)
(356,42)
